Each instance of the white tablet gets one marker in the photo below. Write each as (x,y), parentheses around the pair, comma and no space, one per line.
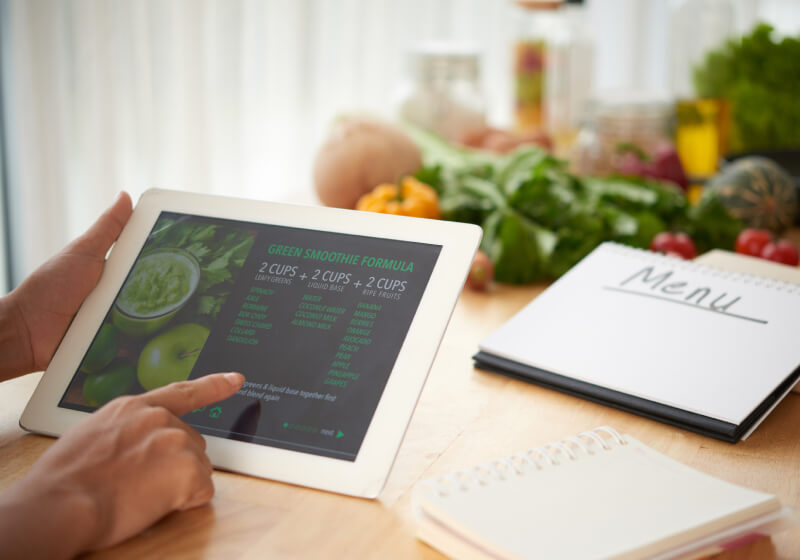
(333,316)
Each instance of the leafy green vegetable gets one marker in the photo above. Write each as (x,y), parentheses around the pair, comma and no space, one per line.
(711,226)
(538,220)
(518,247)
(761,79)
(220,250)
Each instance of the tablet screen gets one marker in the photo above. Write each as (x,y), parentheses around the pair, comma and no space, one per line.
(314,320)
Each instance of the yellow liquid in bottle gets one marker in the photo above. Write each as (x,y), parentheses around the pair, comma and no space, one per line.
(697,137)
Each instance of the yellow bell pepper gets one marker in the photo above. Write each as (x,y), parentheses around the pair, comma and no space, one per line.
(411,198)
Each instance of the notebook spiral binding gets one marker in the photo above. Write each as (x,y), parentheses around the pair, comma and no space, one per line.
(734,276)
(571,448)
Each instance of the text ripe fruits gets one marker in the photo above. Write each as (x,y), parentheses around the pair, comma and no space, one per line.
(171,355)
(751,241)
(481,273)
(781,251)
(674,244)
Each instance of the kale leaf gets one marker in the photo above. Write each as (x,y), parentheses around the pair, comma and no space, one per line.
(538,220)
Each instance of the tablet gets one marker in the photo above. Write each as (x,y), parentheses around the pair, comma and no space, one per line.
(333,316)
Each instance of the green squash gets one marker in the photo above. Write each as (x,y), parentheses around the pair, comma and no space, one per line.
(758,191)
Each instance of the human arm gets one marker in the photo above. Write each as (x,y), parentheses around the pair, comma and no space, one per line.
(123,468)
(35,316)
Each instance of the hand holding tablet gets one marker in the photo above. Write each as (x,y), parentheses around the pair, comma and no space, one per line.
(125,467)
(333,317)
(114,476)
(46,301)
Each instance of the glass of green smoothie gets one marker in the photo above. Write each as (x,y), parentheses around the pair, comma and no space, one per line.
(160,284)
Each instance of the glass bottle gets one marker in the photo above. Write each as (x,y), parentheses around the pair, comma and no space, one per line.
(618,124)
(542,70)
(443,94)
(698,27)
(581,65)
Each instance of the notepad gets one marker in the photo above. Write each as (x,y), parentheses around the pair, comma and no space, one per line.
(597,494)
(701,348)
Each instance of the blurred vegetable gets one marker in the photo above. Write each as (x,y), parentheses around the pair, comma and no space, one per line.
(676,244)
(761,79)
(411,198)
(538,220)
(759,243)
(504,141)
(711,225)
(481,272)
(664,164)
(782,251)
(359,154)
(751,241)
(758,191)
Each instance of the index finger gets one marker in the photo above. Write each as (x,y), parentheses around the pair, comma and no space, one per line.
(185,396)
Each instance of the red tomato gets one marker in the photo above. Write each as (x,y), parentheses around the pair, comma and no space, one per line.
(481,273)
(781,251)
(751,241)
(673,244)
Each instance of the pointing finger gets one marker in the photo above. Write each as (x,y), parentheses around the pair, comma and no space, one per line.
(185,396)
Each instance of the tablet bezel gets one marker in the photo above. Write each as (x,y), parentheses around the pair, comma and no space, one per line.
(364,477)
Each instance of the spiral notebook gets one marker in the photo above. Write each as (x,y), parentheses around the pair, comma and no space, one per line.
(597,494)
(694,346)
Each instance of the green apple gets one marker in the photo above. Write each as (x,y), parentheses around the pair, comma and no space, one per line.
(171,355)
(103,349)
(115,380)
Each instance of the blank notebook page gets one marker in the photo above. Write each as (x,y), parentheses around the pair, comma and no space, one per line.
(627,501)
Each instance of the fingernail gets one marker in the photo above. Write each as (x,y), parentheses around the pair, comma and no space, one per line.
(234,379)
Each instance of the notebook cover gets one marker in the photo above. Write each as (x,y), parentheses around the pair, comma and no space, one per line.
(697,423)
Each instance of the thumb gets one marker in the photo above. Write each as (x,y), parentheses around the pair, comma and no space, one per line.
(104,232)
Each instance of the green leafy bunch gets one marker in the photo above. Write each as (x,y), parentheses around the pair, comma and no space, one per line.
(538,220)
(760,76)
(220,249)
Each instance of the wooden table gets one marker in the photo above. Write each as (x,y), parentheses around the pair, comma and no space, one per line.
(464,416)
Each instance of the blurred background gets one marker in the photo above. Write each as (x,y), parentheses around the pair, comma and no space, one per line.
(235,96)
